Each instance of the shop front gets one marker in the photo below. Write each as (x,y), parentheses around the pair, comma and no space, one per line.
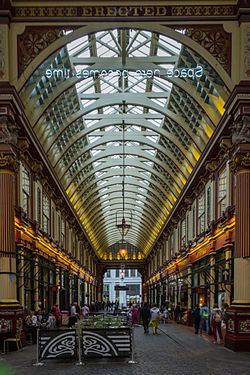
(172,289)
(201,282)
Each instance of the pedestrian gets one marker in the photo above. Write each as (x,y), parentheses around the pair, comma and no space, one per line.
(134,317)
(56,312)
(155,318)
(145,316)
(216,319)
(30,325)
(177,313)
(73,315)
(165,315)
(204,314)
(85,311)
(197,318)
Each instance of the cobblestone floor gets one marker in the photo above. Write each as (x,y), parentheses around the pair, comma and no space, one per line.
(175,351)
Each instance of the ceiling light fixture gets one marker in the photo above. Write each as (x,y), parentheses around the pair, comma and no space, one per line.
(121,223)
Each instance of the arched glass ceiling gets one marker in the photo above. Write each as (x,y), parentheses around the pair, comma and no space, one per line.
(77,114)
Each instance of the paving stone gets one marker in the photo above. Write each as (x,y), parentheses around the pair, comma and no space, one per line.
(175,351)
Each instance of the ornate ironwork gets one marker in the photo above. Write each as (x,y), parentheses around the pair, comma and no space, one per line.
(214,39)
(57,344)
(106,342)
(34,40)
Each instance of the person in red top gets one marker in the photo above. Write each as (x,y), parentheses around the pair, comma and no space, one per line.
(56,312)
(134,317)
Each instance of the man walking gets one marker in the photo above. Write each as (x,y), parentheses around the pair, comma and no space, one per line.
(145,316)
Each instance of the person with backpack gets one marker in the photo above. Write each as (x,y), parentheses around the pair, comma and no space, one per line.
(204,314)
(216,319)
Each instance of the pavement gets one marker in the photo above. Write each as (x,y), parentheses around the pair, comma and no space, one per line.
(176,350)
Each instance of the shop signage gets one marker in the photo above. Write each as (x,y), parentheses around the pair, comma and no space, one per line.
(121,287)
(225,274)
(123,11)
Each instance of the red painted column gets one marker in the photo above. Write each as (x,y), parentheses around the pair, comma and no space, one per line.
(238,322)
(11,313)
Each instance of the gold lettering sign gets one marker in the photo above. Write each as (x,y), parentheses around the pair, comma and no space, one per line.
(124,11)
(149,11)
(111,11)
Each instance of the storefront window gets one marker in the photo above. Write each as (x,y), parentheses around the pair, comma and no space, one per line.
(183,233)
(53,222)
(73,243)
(222,191)
(26,190)
(201,213)
(171,245)
(62,233)
(46,209)
(39,206)
(132,273)
(208,205)
(187,229)
(193,226)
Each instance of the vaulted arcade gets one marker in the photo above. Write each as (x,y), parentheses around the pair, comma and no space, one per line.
(125,127)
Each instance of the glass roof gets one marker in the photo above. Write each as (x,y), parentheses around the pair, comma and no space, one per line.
(109,111)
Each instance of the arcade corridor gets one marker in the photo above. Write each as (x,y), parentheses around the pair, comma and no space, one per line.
(125,145)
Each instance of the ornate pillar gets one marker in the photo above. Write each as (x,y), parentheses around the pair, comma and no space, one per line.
(212,279)
(11,311)
(58,281)
(190,287)
(167,290)
(36,285)
(238,325)
(78,290)
(100,290)
(228,267)
(176,288)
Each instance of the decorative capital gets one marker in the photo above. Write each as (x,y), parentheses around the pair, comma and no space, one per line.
(37,168)
(51,192)
(225,144)
(188,201)
(241,161)
(241,131)
(211,166)
(9,162)
(165,235)
(8,131)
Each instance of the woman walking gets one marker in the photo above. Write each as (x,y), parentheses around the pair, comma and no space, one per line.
(155,319)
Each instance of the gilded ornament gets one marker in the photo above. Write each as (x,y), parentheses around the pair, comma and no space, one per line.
(240,161)
(9,162)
